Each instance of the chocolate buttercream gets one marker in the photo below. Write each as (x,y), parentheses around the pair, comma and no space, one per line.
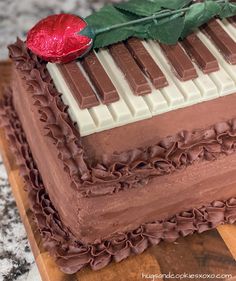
(70,254)
(119,171)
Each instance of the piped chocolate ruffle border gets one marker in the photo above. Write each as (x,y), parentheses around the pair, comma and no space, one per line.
(70,254)
(118,171)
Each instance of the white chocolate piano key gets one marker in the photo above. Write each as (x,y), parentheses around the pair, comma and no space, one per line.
(102,117)
(99,78)
(81,116)
(171,93)
(222,77)
(156,102)
(100,114)
(221,39)
(136,104)
(180,62)
(119,110)
(206,86)
(231,69)
(187,88)
(228,27)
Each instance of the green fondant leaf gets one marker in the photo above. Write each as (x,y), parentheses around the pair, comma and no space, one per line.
(106,17)
(167,32)
(162,20)
(199,14)
(150,7)
(228,10)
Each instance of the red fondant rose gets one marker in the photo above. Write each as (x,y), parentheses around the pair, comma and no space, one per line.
(57,39)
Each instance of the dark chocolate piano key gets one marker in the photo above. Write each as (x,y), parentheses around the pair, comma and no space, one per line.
(146,63)
(131,70)
(79,86)
(200,54)
(222,40)
(100,79)
(179,60)
(232,20)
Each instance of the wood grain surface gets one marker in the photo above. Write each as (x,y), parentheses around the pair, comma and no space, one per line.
(212,252)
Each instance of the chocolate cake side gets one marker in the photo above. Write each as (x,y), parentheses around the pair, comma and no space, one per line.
(137,197)
(70,254)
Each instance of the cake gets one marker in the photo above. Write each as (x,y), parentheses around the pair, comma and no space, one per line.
(130,146)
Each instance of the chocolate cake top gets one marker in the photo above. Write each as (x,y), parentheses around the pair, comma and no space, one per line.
(94,178)
(138,79)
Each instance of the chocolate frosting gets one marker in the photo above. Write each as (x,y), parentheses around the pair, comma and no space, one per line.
(119,171)
(70,254)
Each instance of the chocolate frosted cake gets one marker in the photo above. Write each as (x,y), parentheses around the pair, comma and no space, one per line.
(132,145)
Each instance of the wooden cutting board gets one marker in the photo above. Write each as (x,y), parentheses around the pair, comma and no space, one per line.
(212,252)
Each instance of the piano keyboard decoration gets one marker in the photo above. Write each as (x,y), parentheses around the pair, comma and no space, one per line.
(136,79)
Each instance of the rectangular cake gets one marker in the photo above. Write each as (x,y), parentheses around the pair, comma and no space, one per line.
(132,145)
